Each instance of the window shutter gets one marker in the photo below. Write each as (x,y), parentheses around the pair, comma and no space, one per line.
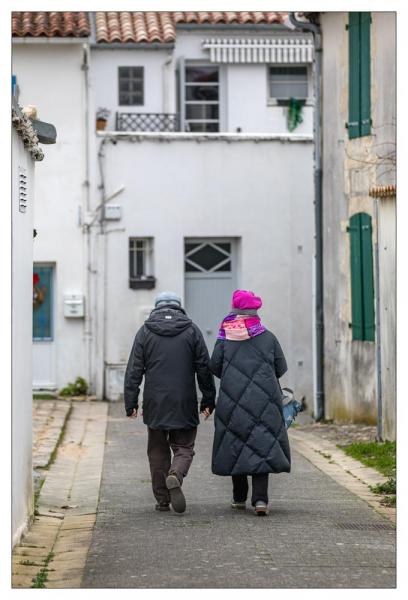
(367,277)
(356,278)
(354,75)
(365,74)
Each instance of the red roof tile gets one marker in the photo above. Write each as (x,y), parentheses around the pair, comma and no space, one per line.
(50,24)
(135,27)
(148,26)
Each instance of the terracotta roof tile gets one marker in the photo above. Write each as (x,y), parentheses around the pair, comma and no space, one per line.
(50,24)
(134,27)
(149,26)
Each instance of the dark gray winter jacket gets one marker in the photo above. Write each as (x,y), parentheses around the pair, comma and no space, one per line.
(169,350)
(250,433)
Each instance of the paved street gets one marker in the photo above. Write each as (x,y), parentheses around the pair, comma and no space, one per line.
(318,534)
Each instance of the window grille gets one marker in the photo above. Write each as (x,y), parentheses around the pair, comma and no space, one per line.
(141,263)
(146,122)
(202,106)
(131,84)
(207,257)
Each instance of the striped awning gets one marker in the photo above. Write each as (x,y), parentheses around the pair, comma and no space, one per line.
(277,50)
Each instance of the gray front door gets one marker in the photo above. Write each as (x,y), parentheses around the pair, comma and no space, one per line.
(210,279)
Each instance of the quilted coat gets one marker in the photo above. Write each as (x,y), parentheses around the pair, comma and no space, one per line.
(250,433)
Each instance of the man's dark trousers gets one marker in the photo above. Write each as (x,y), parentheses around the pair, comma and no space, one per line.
(160,441)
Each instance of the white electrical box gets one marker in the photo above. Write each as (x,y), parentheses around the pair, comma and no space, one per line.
(74,305)
(113,212)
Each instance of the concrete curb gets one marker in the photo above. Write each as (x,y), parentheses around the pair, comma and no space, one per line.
(57,544)
(346,471)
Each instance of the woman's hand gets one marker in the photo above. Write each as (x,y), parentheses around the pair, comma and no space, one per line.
(134,414)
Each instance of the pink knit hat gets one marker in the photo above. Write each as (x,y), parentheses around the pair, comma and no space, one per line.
(245,299)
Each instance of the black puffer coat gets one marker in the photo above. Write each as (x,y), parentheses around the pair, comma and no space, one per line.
(169,350)
(250,434)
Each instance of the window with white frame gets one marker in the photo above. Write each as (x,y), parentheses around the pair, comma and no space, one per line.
(287,82)
(202,98)
(131,83)
(141,263)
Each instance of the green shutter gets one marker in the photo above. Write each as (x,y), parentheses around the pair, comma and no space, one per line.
(365,74)
(362,278)
(354,75)
(367,277)
(356,279)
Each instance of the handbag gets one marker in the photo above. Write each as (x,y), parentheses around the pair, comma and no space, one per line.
(290,406)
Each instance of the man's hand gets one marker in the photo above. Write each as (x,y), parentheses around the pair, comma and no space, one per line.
(206,413)
(134,414)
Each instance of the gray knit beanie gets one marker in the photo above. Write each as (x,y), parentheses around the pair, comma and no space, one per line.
(167,298)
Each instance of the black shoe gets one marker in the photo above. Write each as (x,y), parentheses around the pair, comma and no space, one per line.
(163,506)
(177,499)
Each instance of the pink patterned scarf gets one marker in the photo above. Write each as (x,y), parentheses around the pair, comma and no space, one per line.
(240,327)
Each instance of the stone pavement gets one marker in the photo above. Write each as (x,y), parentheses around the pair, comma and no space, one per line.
(318,534)
(52,554)
(49,417)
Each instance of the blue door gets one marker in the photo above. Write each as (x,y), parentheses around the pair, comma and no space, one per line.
(42,303)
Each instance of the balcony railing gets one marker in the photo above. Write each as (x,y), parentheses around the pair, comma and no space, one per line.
(146,121)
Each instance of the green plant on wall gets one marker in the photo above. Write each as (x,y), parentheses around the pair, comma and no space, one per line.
(295,110)
(79,388)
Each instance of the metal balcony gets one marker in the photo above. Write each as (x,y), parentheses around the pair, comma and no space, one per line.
(126,121)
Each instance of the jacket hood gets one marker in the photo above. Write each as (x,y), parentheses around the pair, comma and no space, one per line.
(168,321)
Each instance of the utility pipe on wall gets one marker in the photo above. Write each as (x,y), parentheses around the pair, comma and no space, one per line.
(318,205)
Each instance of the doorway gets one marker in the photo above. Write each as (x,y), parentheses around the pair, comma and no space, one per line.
(210,278)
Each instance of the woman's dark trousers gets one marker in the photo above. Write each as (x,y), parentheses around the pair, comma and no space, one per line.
(259,488)
(159,444)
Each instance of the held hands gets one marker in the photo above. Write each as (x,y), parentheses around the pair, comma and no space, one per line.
(206,413)
(134,414)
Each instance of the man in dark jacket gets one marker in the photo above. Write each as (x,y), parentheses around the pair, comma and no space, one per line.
(169,350)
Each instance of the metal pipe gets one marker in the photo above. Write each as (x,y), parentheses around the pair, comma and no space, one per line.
(318,206)
(378,328)
(86,229)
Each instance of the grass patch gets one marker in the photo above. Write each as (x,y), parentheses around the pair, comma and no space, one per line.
(389,487)
(40,579)
(44,396)
(60,439)
(377,455)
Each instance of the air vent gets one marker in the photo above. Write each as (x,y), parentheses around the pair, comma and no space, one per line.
(22,191)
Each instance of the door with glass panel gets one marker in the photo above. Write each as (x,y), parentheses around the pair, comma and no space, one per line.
(210,279)
(44,376)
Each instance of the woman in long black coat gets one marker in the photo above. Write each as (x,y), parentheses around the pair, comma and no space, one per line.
(250,434)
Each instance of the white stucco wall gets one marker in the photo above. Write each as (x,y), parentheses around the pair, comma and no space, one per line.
(22,298)
(243,87)
(50,77)
(104,75)
(259,192)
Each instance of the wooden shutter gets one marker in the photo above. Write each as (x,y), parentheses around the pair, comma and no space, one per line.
(356,278)
(362,278)
(365,74)
(354,75)
(367,277)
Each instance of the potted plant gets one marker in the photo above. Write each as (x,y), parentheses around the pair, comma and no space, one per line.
(102,115)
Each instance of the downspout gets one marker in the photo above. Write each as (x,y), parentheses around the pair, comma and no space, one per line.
(318,206)
(378,329)
(102,342)
(86,229)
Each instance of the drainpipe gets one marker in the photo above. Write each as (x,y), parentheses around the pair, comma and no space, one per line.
(318,210)
(102,272)
(86,229)
(378,328)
